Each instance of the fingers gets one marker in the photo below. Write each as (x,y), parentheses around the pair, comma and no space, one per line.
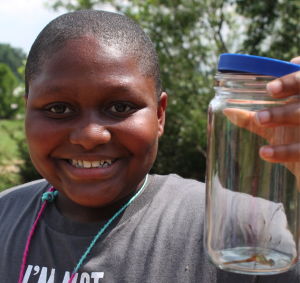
(286,115)
(281,153)
(244,119)
(272,118)
(241,118)
(296,60)
(285,86)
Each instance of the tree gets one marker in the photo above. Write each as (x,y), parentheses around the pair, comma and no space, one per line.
(189,36)
(188,40)
(273,28)
(13,57)
(8,82)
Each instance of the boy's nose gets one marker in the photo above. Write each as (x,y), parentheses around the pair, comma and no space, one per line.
(90,135)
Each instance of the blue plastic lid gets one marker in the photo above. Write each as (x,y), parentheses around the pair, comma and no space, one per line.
(255,64)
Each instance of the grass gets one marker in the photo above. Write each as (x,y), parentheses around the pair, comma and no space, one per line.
(9,175)
(8,146)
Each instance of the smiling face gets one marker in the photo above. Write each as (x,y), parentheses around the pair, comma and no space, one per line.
(92,107)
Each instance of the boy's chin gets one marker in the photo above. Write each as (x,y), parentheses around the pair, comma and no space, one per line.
(92,196)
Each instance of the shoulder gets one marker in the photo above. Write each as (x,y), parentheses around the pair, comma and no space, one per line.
(23,190)
(180,185)
(21,196)
(179,193)
(177,181)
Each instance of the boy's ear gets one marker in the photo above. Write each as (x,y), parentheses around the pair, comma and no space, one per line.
(25,98)
(161,113)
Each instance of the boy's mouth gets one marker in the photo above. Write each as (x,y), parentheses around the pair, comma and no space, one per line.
(91,164)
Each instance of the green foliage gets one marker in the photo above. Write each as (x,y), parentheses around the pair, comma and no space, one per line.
(8,177)
(274,29)
(27,171)
(7,144)
(8,101)
(189,36)
(13,57)
(15,164)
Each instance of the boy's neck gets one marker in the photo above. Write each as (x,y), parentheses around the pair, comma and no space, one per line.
(79,213)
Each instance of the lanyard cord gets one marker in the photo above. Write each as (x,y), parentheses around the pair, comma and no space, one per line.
(49,197)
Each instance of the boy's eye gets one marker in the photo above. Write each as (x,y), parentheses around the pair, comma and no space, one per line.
(120,107)
(60,109)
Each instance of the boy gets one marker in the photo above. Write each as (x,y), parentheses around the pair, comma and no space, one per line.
(94,113)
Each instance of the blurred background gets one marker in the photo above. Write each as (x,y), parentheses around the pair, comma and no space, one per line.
(189,36)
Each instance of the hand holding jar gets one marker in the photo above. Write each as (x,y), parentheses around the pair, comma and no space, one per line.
(252,179)
(264,122)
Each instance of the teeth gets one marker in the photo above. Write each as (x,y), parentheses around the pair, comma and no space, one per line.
(87,164)
(95,163)
(91,164)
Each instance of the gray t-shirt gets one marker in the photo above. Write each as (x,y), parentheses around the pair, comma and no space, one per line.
(158,239)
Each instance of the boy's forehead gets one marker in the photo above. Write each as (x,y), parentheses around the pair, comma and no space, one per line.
(90,52)
(92,60)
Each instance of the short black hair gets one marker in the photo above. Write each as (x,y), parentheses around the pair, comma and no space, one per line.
(111,29)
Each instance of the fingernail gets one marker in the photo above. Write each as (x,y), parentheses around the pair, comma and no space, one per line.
(267,151)
(274,88)
(263,117)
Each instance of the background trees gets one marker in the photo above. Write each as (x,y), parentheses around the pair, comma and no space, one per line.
(15,164)
(8,82)
(189,36)
(14,58)
(273,28)
(11,81)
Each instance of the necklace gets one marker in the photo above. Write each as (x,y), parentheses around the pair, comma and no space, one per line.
(49,197)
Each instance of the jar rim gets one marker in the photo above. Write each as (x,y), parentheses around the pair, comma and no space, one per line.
(242,76)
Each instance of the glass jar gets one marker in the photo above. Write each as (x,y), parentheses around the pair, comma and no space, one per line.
(252,206)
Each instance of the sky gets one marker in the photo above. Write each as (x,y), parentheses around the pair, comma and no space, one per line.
(22,20)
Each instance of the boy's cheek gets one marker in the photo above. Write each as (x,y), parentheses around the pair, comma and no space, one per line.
(41,131)
(141,130)
(42,137)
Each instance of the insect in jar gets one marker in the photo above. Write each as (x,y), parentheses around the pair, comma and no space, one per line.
(259,248)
